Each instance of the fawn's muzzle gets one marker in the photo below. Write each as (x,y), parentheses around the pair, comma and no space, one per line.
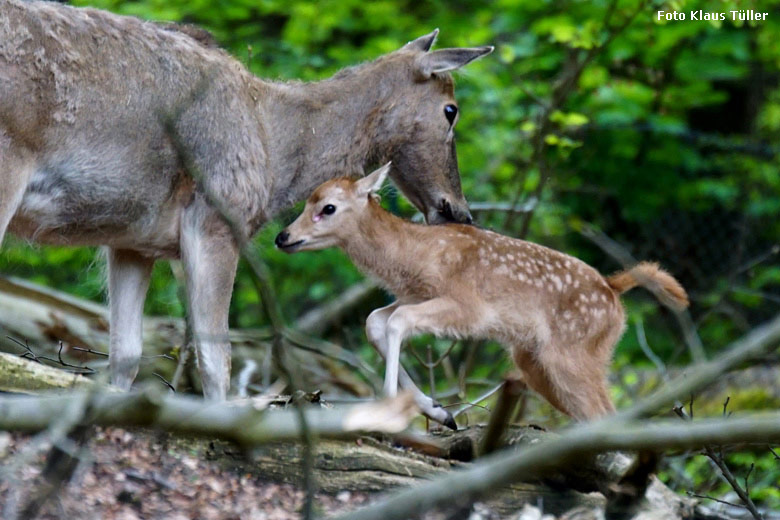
(281,238)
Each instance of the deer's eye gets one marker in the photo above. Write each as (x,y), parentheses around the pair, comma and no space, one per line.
(450,111)
(329,209)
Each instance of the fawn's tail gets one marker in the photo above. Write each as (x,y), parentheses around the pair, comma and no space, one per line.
(650,276)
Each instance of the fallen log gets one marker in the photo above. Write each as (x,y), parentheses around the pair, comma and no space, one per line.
(371,465)
(23,376)
(45,319)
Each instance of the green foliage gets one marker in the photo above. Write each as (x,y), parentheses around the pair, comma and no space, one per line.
(763,477)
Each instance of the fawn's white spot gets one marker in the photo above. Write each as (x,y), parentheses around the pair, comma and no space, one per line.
(501,270)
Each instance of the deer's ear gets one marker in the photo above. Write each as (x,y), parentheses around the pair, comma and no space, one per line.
(373,181)
(450,59)
(423,43)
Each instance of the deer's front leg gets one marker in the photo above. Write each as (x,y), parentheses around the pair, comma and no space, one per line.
(209,255)
(439,316)
(128,281)
(376,331)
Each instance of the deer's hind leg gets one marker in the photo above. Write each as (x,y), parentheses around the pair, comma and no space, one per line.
(128,280)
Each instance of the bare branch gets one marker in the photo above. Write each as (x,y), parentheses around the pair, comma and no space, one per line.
(502,413)
(185,414)
(760,341)
(478,400)
(743,494)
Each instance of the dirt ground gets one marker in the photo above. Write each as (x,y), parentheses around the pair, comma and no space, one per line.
(139,475)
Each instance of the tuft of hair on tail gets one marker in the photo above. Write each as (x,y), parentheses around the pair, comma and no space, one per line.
(650,276)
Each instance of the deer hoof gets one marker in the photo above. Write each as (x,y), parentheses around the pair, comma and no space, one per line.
(450,423)
(449,420)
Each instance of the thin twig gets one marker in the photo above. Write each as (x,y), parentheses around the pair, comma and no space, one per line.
(32,356)
(431,373)
(747,477)
(707,497)
(777,457)
(743,494)
(90,351)
(480,207)
(165,381)
(645,346)
(439,360)
(28,354)
(478,399)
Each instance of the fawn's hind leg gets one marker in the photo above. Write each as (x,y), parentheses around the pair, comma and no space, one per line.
(574,386)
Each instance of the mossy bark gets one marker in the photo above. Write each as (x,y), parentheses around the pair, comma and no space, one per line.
(20,375)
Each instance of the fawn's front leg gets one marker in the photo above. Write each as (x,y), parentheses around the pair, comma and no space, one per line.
(376,326)
(439,316)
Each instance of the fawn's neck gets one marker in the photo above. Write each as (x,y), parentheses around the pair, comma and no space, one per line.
(391,249)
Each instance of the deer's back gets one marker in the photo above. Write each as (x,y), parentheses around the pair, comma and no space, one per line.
(85,92)
(84,61)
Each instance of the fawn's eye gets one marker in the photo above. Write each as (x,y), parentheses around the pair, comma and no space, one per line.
(329,209)
(450,111)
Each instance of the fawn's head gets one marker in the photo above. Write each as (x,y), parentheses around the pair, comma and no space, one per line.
(416,126)
(331,213)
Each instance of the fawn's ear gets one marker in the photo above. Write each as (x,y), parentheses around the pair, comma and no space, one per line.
(373,181)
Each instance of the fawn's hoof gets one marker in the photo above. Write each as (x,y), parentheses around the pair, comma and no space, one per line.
(450,423)
(449,420)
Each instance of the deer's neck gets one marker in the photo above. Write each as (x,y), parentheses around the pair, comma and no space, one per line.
(392,250)
(318,131)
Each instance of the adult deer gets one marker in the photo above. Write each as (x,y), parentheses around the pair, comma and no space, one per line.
(89,154)
(557,316)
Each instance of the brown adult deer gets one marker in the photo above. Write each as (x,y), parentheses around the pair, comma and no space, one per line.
(558,317)
(88,155)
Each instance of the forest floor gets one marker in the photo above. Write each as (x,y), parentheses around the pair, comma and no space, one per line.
(142,474)
(131,475)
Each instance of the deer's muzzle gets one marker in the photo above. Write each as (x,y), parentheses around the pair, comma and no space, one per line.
(446,211)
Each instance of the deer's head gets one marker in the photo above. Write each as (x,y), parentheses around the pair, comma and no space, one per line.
(417,127)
